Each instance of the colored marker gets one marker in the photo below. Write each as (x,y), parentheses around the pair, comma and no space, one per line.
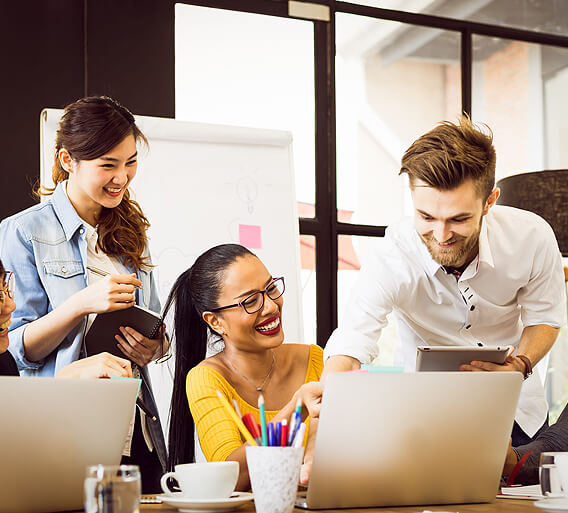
(295,421)
(299,438)
(277,434)
(238,421)
(294,425)
(252,426)
(271,441)
(237,409)
(298,406)
(284,439)
(262,419)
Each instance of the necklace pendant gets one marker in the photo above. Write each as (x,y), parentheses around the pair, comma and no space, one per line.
(259,389)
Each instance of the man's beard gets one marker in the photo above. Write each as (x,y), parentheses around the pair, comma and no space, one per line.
(457,255)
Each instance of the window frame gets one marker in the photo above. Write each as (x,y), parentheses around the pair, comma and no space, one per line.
(324,226)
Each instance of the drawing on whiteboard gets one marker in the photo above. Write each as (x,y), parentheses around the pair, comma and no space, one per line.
(247,191)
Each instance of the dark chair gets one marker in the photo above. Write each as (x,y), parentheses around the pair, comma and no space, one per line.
(543,192)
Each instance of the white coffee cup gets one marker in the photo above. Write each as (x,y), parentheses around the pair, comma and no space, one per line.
(210,480)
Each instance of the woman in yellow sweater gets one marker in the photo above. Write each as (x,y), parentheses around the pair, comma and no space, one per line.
(228,300)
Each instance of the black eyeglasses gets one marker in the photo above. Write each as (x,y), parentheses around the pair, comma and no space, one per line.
(7,287)
(255,301)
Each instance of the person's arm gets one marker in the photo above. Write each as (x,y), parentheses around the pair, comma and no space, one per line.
(536,341)
(340,363)
(355,341)
(102,365)
(43,335)
(553,439)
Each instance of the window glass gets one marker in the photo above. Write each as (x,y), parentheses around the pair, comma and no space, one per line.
(550,16)
(519,91)
(308,277)
(352,251)
(224,76)
(394,82)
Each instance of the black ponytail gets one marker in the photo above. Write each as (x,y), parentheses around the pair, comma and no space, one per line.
(194,292)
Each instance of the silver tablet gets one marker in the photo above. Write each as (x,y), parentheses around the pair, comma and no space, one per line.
(449,358)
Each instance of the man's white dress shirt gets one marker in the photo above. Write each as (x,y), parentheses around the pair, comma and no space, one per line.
(516,281)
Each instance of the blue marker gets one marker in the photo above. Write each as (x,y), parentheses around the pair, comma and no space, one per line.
(294,426)
(271,441)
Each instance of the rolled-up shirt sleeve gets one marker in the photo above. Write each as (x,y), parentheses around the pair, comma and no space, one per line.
(365,315)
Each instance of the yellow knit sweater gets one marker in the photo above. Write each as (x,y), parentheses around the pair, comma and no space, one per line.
(218,434)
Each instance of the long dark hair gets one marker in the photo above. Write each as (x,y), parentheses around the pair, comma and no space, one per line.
(194,292)
(89,128)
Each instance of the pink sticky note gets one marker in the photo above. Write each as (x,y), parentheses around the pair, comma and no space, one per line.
(249,236)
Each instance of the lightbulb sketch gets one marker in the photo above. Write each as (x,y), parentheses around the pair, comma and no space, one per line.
(247,192)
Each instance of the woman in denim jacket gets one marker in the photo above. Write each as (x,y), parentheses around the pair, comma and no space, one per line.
(61,248)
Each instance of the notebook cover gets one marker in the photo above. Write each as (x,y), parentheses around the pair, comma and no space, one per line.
(100,337)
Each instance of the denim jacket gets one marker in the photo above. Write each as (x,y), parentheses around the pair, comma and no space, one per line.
(45,245)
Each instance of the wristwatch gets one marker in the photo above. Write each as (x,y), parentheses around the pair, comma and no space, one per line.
(528,365)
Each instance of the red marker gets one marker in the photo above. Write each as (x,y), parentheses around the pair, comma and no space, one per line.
(284,433)
(250,422)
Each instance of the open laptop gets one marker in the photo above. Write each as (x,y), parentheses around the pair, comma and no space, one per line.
(50,430)
(411,438)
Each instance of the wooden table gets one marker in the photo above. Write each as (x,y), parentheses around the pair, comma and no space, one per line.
(499,506)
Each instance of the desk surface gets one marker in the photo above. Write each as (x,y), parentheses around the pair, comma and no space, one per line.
(499,506)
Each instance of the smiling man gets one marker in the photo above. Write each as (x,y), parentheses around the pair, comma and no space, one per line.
(462,272)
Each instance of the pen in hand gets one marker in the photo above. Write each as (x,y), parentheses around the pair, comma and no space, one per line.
(100,272)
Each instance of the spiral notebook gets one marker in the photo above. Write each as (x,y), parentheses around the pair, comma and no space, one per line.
(100,337)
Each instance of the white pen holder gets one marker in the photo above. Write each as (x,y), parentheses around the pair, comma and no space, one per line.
(274,475)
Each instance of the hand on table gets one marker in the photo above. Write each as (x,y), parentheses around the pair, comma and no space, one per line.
(102,365)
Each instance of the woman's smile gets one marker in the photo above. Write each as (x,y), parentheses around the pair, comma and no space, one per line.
(269,327)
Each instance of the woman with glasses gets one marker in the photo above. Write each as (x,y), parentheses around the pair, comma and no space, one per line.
(103,365)
(228,300)
(82,252)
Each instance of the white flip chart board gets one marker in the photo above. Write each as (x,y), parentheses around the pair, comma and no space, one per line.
(201,185)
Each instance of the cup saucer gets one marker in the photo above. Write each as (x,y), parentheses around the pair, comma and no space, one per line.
(188,505)
(553,504)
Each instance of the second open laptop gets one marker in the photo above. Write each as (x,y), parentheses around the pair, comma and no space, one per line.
(411,438)
(51,429)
